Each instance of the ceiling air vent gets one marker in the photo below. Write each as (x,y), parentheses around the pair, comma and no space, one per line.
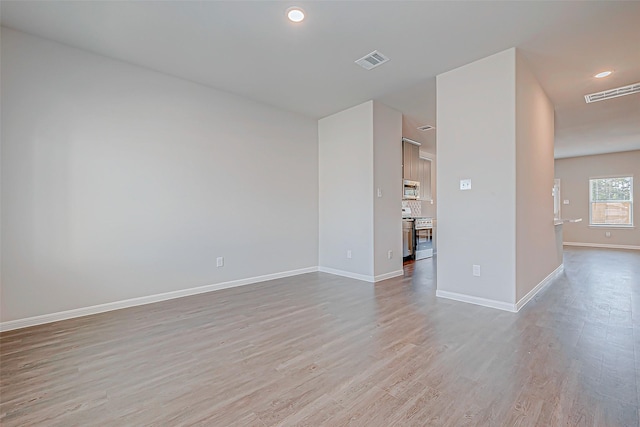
(613,93)
(372,60)
(426,127)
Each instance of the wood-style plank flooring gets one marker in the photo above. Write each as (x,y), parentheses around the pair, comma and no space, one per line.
(320,350)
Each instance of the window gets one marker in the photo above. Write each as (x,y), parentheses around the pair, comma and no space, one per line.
(611,201)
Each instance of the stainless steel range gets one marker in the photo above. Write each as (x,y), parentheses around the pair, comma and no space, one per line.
(408,236)
(424,238)
(408,241)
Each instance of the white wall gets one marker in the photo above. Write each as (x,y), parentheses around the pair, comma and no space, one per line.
(495,127)
(574,174)
(345,141)
(537,253)
(475,133)
(119,182)
(360,150)
(387,176)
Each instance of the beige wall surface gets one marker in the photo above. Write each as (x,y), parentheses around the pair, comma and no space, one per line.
(537,254)
(119,182)
(574,174)
(476,140)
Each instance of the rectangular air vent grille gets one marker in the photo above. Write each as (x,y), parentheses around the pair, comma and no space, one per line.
(612,93)
(372,60)
(426,127)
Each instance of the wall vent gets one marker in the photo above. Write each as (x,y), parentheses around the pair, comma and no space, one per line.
(426,127)
(372,60)
(612,93)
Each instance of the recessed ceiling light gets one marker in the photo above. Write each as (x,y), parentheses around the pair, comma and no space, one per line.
(603,74)
(295,14)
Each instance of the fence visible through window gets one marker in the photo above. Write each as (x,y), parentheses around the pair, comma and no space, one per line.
(611,201)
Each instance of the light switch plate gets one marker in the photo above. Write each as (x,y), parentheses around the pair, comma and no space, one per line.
(565,202)
(465,184)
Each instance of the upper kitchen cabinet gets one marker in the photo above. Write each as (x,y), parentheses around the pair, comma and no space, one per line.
(417,167)
(424,171)
(410,161)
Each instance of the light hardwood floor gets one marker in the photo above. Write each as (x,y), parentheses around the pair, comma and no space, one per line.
(320,350)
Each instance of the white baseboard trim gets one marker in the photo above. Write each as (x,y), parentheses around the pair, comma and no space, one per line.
(500,305)
(525,299)
(381,277)
(348,274)
(363,277)
(601,245)
(117,305)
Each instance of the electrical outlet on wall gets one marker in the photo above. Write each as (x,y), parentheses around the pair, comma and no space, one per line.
(465,184)
(389,254)
(220,261)
(607,234)
(476,270)
(349,253)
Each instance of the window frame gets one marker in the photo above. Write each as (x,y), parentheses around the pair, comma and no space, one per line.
(591,224)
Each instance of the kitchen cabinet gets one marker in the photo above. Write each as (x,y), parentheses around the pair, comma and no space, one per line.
(410,161)
(415,168)
(406,160)
(424,172)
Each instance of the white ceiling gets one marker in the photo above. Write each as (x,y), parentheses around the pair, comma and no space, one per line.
(249,48)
